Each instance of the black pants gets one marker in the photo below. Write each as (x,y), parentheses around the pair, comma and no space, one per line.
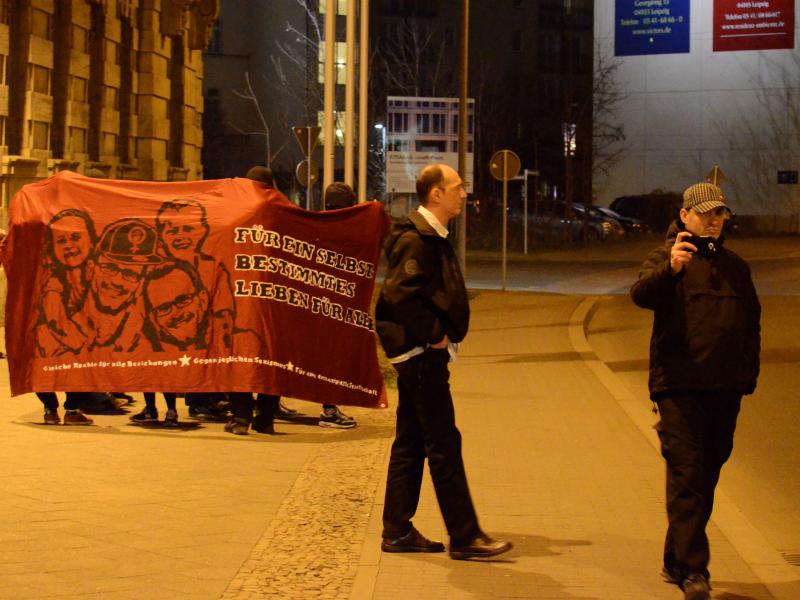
(426,428)
(241,404)
(73,400)
(169,397)
(696,432)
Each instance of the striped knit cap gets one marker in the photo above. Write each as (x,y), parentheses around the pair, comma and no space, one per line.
(703,197)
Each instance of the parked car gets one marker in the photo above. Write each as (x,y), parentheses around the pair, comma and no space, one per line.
(583,226)
(631,225)
(656,210)
(605,226)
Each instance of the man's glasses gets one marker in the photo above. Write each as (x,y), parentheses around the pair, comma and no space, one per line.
(128,275)
(182,301)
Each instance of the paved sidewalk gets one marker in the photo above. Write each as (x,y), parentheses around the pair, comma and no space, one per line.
(557,462)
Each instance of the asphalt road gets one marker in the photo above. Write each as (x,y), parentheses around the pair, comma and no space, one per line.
(762,477)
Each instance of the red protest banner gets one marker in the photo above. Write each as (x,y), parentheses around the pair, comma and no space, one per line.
(753,25)
(192,286)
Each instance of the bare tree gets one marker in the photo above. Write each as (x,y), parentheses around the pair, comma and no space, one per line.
(262,130)
(608,133)
(766,139)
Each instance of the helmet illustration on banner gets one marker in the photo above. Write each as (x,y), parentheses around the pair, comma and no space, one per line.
(130,241)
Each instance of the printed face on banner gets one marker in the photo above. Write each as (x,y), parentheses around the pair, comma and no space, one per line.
(183,227)
(177,304)
(114,285)
(71,241)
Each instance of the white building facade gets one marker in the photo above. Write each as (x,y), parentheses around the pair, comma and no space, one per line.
(711,99)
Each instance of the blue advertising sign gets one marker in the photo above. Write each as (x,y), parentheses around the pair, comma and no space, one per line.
(651,27)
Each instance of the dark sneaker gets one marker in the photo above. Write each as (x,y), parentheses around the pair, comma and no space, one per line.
(413,541)
(337,419)
(201,413)
(51,416)
(284,413)
(695,587)
(237,426)
(76,417)
(171,418)
(146,416)
(113,403)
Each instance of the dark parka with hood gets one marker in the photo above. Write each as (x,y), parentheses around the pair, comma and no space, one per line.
(423,297)
(706,326)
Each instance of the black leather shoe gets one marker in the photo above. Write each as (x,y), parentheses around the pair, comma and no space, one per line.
(482,546)
(263,424)
(413,541)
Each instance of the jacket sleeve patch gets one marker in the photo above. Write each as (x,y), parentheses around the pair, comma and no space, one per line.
(411,267)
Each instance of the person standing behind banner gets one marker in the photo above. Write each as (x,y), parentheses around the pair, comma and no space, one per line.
(704,355)
(73,414)
(69,245)
(337,195)
(421,315)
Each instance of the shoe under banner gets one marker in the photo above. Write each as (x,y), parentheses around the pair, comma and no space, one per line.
(207,286)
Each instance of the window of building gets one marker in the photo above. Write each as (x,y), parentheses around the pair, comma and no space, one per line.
(398,123)
(341,6)
(423,123)
(78,88)
(2,130)
(110,97)
(77,140)
(341,63)
(80,39)
(109,144)
(3,61)
(39,79)
(215,45)
(40,135)
(437,123)
(430,146)
(41,24)
(398,146)
(4,14)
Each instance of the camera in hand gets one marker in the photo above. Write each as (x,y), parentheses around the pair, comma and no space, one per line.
(707,246)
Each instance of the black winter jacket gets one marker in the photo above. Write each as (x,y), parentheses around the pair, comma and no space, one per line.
(706,324)
(423,296)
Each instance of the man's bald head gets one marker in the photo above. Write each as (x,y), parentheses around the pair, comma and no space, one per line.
(429,178)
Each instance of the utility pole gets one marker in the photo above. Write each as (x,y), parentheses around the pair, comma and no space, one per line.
(329,124)
(363,81)
(350,96)
(463,124)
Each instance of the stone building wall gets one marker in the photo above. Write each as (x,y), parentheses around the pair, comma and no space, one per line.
(111,87)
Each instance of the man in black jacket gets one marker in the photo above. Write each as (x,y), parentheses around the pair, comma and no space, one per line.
(421,315)
(704,355)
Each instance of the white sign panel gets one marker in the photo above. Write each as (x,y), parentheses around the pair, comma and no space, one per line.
(402,168)
(421,131)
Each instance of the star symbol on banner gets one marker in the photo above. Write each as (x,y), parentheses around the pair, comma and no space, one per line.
(185,360)
(290,366)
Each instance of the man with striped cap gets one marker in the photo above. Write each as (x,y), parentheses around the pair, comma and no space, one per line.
(704,356)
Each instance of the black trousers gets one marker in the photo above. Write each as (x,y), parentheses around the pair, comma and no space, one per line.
(426,428)
(74,400)
(696,432)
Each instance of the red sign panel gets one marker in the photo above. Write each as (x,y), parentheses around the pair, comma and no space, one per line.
(753,25)
(206,286)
